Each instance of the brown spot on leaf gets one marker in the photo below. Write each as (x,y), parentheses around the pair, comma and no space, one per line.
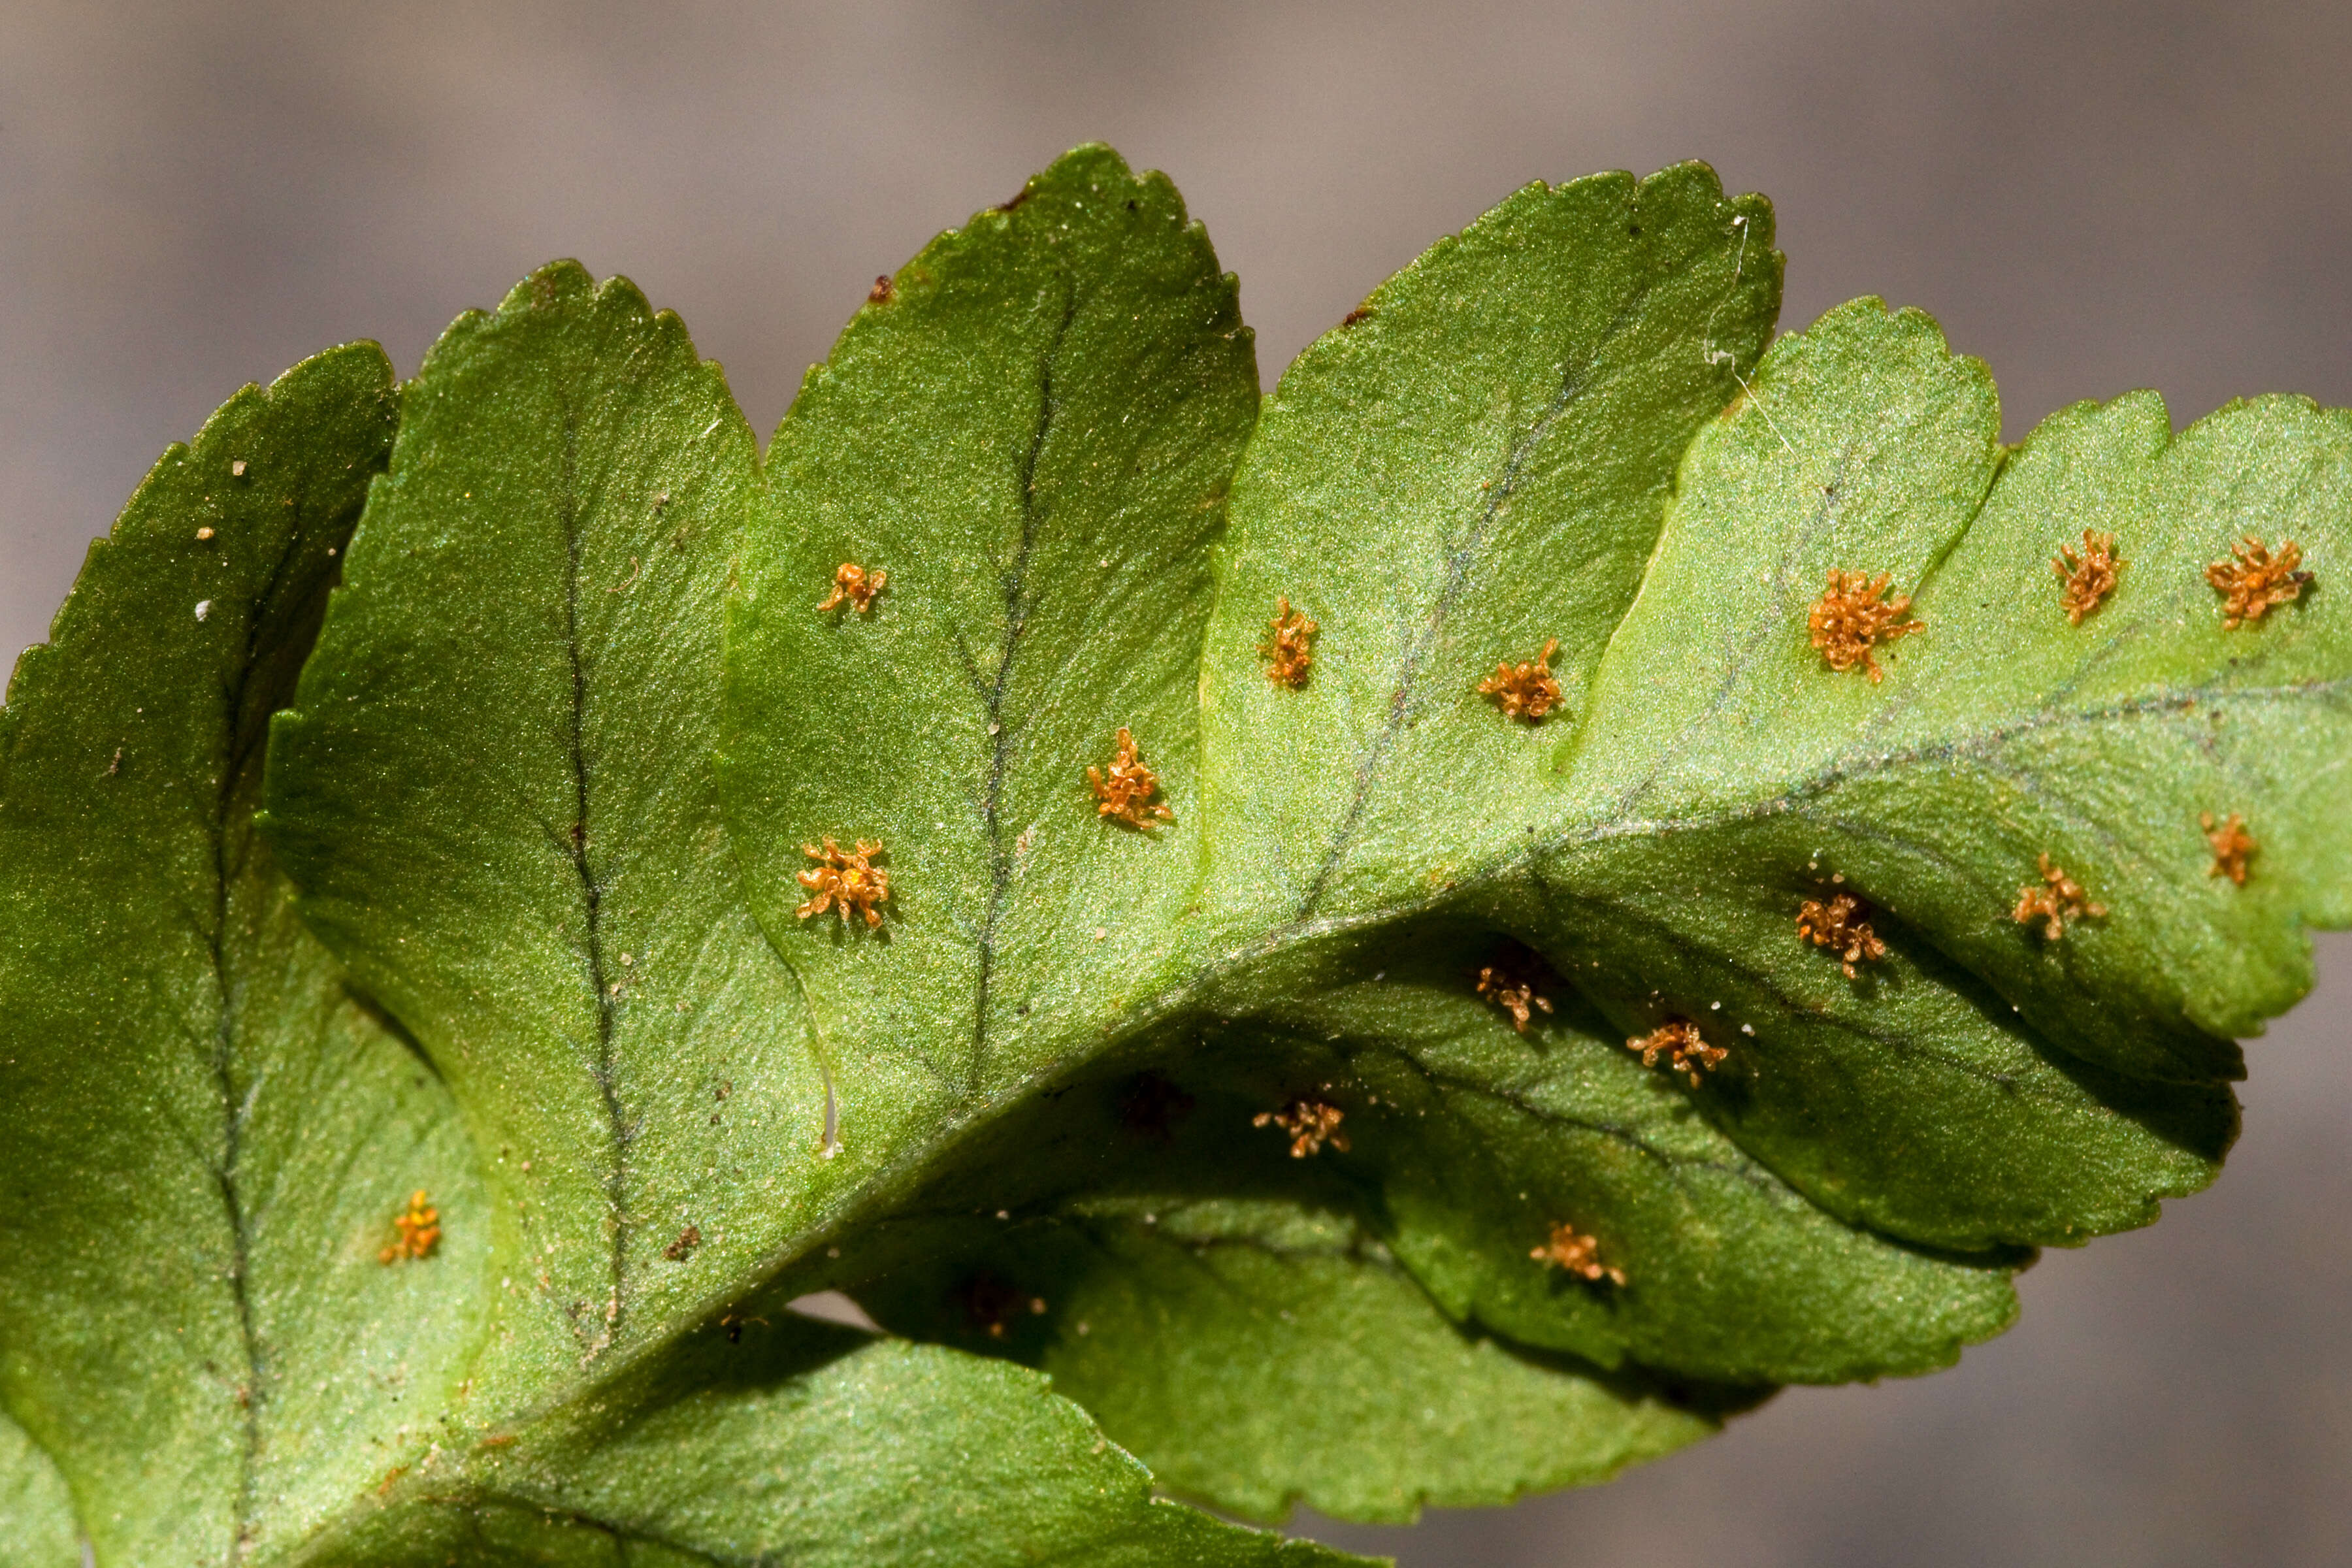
(2056,899)
(1842,926)
(1311,1124)
(2232,845)
(1576,1253)
(1851,619)
(2256,580)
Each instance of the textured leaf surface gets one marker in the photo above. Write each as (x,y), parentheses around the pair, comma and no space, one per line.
(800,1442)
(1981,1085)
(35,1506)
(1259,1352)
(1475,466)
(1726,775)
(2002,731)
(1033,437)
(210,1133)
(1481,1138)
(495,793)
(536,970)
(503,815)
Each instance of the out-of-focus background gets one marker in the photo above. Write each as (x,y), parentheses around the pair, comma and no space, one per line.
(2092,196)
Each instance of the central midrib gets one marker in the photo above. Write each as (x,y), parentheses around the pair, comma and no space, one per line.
(1459,561)
(236,751)
(1017,610)
(590,892)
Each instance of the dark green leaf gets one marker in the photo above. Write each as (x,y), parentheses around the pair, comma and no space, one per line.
(806,1444)
(496,795)
(1257,1353)
(1480,1139)
(656,1091)
(211,1134)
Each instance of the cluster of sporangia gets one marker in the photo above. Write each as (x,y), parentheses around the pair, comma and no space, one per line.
(1848,623)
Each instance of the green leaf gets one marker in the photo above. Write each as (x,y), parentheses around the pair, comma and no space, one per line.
(1481,1138)
(1726,774)
(211,1134)
(2002,731)
(526,645)
(1979,1088)
(34,1505)
(1031,435)
(496,795)
(1475,464)
(587,692)
(803,1443)
(1258,1352)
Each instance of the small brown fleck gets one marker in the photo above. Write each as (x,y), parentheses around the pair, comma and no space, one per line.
(883,292)
(2257,580)
(1289,649)
(687,1240)
(1310,1123)
(2056,899)
(1512,987)
(1152,1106)
(1126,794)
(420,1231)
(989,1303)
(1851,618)
(2088,579)
(855,586)
(1842,926)
(1526,691)
(1576,1253)
(847,878)
(503,1440)
(1360,313)
(2232,845)
(1685,1049)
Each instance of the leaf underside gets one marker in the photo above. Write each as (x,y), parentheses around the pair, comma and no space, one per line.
(424,799)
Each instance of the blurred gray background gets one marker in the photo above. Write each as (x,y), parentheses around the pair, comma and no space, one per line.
(2092,196)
